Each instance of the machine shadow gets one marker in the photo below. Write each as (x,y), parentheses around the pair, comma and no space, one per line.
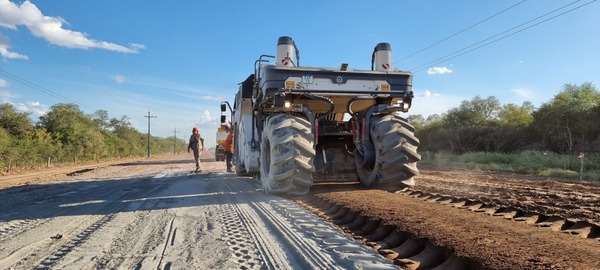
(103,197)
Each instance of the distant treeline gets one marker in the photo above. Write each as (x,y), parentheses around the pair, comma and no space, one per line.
(67,135)
(567,124)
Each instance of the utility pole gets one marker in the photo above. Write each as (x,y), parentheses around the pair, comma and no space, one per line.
(175,141)
(149,116)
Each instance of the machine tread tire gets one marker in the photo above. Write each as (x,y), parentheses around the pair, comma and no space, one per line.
(287,155)
(396,154)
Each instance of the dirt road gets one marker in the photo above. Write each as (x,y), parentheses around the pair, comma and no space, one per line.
(156,214)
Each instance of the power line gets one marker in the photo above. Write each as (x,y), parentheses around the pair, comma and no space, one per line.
(42,89)
(460,32)
(52,59)
(474,46)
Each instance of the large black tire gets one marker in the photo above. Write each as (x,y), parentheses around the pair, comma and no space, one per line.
(396,154)
(286,155)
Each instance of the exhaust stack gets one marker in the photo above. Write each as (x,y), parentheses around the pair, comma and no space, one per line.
(382,57)
(286,50)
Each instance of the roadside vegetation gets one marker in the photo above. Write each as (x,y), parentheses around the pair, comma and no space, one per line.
(561,138)
(479,134)
(65,135)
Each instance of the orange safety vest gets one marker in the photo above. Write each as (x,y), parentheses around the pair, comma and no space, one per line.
(228,145)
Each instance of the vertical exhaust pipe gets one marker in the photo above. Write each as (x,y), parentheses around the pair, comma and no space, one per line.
(381,60)
(286,50)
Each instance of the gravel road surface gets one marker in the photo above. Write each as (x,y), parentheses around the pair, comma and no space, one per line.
(156,214)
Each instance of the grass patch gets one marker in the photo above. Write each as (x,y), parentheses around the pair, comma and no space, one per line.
(538,163)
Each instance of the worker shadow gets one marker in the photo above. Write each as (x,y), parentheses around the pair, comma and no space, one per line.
(155,162)
(180,190)
(209,160)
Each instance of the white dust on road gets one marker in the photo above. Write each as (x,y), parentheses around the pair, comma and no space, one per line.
(170,220)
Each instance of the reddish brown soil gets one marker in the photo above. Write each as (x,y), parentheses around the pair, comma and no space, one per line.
(494,241)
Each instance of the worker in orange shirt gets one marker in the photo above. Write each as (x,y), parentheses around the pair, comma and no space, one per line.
(228,145)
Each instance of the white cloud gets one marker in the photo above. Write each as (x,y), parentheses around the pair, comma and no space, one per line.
(427,94)
(33,107)
(119,78)
(206,118)
(438,70)
(5,44)
(523,92)
(137,46)
(52,30)
(213,98)
(7,96)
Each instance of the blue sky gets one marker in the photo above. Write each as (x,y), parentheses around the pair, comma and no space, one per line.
(180,59)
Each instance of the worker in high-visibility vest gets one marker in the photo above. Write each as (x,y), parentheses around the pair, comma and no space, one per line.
(228,145)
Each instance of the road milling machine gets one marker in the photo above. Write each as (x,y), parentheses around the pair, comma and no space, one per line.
(296,125)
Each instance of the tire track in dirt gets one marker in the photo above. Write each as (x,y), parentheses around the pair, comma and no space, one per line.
(116,258)
(240,242)
(169,239)
(554,197)
(63,250)
(254,247)
(114,207)
(409,245)
(402,247)
(44,204)
(16,197)
(39,205)
(67,243)
(582,229)
(287,236)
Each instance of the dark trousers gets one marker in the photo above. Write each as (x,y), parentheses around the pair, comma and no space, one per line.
(228,157)
(197,159)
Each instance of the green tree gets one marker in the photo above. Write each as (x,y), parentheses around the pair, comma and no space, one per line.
(478,112)
(434,118)
(101,119)
(564,123)
(417,120)
(433,136)
(466,128)
(15,123)
(7,154)
(78,134)
(128,140)
(512,115)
